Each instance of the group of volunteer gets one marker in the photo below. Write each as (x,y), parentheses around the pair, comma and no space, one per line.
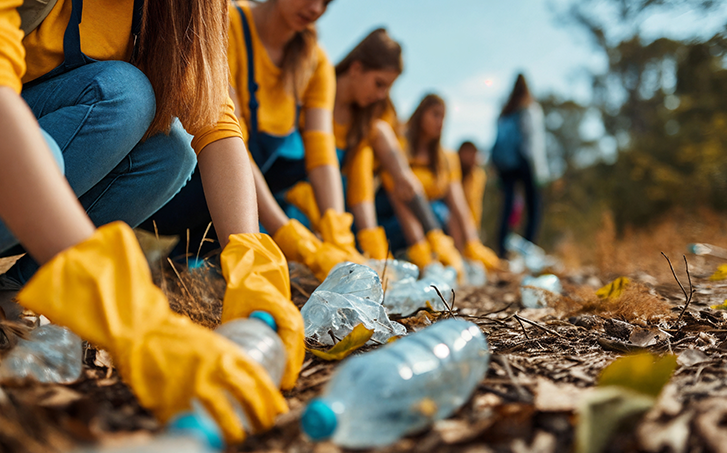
(173,115)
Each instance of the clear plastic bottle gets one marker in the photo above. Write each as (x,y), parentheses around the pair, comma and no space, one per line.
(376,398)
(475,273)
(534,257)
(52,354)
(394,270)
(707,249)
(406,296)
(350,295)
(530,290)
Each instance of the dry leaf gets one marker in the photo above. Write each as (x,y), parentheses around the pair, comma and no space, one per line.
(614,289)
(354,340)
(720,274)
(643,373)
(552,397)
(691,357)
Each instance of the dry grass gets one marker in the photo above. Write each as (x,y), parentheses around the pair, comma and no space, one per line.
(638,251)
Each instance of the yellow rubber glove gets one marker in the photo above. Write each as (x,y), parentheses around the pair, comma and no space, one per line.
(445,251)
(299,244)
(335,228)
(257,279)
(302,197)
(102,290)
(373,242)
(420,254)
(476,251)
(296,241)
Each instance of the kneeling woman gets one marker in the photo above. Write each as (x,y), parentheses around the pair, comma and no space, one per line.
(117,131)
(284,90)
(439,173)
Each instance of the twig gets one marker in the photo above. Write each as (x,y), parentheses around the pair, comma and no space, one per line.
(385,280)
(522,326)
(451,314)
(687,297)
(204,238)
(186,290)
(533,323)
(498,311)
(297,286)
(163,284)
(506,365)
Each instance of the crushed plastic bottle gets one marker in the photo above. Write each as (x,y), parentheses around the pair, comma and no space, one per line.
(406,296)
(52,354)
(707,249)
(531,290)
(394,270)
(376,398)
(533,257)
(475,273)
(350,295)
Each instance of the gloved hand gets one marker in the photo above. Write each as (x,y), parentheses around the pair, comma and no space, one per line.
(420,254)
(101,289)
(299,244)
(257,279)
(373,242)
(445,251)
(335,228)
(476,251)
(302,197)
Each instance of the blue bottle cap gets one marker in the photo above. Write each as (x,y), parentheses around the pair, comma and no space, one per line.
(265,317)
(195,263)
(318,421)
(200,426)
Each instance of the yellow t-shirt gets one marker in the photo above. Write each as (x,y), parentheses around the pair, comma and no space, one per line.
(12,54)
(474,191)
(436,187)
(362,166)
(277,106)
(105,35)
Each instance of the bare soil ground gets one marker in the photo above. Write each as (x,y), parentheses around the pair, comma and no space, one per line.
(543,362)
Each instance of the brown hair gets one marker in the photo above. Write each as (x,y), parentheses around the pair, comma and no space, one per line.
(437,159)
(298,60)
(182,50)
(519,98)
(376,52)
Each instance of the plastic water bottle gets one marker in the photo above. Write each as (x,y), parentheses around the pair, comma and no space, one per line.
(475,273)
(530,289)
(535,258)
(52,354)
(376,398)
(406,296)
(350,295)
(707,249)
(394,270)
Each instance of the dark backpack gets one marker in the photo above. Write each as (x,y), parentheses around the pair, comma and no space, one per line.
(507,153)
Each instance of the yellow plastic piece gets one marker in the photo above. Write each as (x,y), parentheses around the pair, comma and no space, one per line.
(476,251)
(373,243)
(614,289)
(102,290)
(302,197)
(351,342)
(420,254)
(445,251)
(257,279)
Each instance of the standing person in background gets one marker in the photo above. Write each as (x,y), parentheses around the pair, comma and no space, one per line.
(439,173)
(474,179)
(117,129)
(519,156)
(284,87)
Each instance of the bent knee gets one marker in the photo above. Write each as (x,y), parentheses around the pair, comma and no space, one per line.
(128,89)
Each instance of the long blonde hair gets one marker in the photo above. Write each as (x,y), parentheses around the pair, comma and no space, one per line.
(437,159)
(182,51)
(377,51)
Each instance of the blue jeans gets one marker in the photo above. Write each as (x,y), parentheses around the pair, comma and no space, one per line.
(97,115)
(392,227)
(508,181)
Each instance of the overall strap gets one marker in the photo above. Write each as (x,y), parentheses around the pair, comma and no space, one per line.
(252,86)
(72,39)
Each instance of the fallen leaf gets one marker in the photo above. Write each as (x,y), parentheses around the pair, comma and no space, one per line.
(691,357)
(722,306)
(647,337)
(720,274)
(552,397)
(354,340)
(670,436)
(642,373)
(614,289)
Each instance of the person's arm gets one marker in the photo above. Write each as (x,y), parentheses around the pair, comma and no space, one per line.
(326,178)
(388,150)
(36,202)
(229,187)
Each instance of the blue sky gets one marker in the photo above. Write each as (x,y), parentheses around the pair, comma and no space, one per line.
(469,51)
